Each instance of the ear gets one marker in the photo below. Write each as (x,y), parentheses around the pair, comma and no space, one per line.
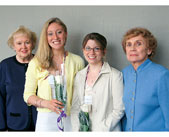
(104,52)
(149,51)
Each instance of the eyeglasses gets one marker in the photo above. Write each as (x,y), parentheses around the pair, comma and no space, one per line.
(96,49)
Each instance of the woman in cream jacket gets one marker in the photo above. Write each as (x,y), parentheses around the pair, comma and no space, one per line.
(100,85)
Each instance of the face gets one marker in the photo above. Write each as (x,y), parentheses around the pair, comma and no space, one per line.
(93,52)
(136,50)
(56,36)
(23,46)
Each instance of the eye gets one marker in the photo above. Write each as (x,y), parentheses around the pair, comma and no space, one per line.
(27,42)
(97,49)
(87,48)
(138,43)
(128,44)
(59,32)
(50,33)
(19,43)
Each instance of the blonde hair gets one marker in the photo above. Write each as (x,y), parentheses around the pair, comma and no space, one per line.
(22,30)
(44,52)
(146,34)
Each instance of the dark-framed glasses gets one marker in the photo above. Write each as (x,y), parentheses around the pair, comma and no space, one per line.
(95,49)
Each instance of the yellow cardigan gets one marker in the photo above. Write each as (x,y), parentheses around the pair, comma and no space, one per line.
(36,77)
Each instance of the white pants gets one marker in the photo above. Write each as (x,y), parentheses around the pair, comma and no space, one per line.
(47,121)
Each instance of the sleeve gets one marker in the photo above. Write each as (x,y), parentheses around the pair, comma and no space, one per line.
(163,97)
(3,125)
(81,64)
(31,80)
(117,113)
(75,109)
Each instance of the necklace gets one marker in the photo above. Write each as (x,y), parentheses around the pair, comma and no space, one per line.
(92,80)
(59,70)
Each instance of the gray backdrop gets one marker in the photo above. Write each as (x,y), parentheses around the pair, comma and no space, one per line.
(111,21)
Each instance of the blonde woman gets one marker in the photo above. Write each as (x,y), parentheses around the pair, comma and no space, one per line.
(15,115)
(52,61)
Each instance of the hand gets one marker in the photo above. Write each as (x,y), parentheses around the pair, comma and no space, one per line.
(54,105)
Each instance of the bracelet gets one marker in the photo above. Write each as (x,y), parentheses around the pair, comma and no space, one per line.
(38,103)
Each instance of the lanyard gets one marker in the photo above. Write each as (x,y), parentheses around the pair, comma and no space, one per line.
(88,73)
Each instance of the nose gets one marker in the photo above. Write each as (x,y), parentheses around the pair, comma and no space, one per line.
(92,50)
(24,45)
(55,35)
(133,47)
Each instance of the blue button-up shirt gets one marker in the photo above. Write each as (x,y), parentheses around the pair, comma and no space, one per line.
(146,97)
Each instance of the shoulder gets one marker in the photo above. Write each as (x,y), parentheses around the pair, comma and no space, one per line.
(7,61)
(34,63)
(126,69)
(75,58)
(158,70)
(158,67)
(82,72)
(116,73)
(113,71)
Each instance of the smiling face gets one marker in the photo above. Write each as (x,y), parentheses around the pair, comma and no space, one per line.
(137,51)
(56,36)
(93,52)
(23,46)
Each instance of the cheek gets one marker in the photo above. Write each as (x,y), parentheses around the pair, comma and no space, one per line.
(16,48)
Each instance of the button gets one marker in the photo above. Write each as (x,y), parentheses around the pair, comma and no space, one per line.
(133,93)
(132,99)
(134,81)
(131,117)
(131,111)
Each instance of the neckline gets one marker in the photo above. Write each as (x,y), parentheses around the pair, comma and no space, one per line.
(19,63)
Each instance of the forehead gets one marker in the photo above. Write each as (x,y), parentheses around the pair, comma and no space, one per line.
(93,43)
(54,26)
(136,38)
(20,35)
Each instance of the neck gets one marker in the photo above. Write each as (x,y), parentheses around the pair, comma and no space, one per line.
(137,64)
(24,60)
(95,67)
(58,59)
(58,53)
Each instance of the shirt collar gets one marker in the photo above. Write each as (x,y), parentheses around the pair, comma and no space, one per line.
(105,68)
(142,66)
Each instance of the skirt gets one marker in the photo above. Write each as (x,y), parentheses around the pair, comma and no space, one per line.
(47,122)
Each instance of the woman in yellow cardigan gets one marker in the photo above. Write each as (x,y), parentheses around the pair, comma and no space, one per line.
(52,67)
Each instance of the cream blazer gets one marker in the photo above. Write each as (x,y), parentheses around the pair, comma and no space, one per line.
(107,104)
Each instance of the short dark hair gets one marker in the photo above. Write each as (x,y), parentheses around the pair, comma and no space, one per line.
(95,36)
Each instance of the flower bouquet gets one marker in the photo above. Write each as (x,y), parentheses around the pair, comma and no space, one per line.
(59,93)
(84,120)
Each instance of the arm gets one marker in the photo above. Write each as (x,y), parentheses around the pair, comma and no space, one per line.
(75,107)
(3,124)
(163,97)
(30,91)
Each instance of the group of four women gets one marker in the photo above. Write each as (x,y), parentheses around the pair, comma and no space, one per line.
(136,99)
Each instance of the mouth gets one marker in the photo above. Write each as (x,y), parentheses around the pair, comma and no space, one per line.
(133,55)
(56,42)
(91,57)
(25,51)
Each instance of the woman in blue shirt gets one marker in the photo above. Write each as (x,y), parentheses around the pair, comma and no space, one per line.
(146,84)
(15,115)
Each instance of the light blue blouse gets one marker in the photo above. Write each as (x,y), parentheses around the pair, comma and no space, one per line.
(146,97)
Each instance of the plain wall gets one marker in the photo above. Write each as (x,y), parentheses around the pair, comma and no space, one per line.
(111,21)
